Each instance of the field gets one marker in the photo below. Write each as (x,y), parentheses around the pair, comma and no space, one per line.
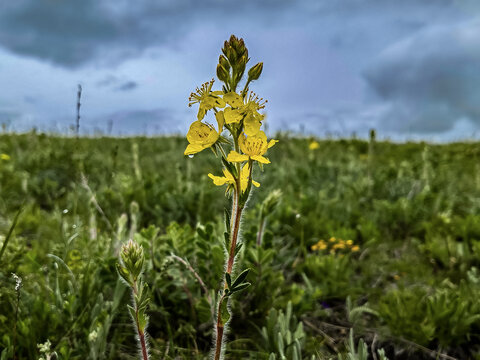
(377,237)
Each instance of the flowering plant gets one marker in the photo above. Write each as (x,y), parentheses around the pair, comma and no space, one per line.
(238,113)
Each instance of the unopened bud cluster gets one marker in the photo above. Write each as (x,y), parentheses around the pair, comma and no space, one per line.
(132,260)
(232,64)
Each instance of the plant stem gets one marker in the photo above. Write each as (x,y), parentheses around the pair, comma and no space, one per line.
(235,228)
(220,326)
(141,334)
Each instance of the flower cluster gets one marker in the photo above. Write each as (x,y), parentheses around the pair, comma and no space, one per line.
(334,245)
(237,112)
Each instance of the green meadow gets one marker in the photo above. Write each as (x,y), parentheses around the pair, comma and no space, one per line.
(372,249)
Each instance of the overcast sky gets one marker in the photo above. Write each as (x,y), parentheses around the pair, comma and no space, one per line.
(410,68)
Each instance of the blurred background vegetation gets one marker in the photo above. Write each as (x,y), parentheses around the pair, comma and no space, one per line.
(381,238)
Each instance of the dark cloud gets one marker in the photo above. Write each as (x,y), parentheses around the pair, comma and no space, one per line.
(116,83)
(71,33)
(127,86)
(431,78)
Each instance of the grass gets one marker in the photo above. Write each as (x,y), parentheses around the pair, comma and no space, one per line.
(411,289)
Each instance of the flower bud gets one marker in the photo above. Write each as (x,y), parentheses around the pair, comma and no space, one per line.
(222,60)
(222,73)
(255,71)
(132,259)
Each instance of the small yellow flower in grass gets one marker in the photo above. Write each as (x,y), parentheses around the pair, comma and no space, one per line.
(314,145)
(207,99)
(4,157)
(200,136)
(349,242)
(355,248)
(229,179)
(253,147)
(332,239)
(320,245)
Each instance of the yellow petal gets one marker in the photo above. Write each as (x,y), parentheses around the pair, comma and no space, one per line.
(256,184)
(193,149)
(252,127)
(233,99)
(234,156)
(202,134)
(220,120)
(271,143)
(218,180)
(254,144)
(232,116)
(228,176)
(260,159)
(201,112)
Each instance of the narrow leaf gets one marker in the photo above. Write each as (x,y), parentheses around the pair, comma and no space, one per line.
(240,278)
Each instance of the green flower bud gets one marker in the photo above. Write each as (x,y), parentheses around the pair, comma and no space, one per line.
(132,261)
(255,71)
(222,73)
(222,60)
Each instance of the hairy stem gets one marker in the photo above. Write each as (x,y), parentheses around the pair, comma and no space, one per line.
(235,230)
(220,326)
(235,226)
(141,334)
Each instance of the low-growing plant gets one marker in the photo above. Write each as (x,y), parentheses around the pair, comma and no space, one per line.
(130,269)
(283,336)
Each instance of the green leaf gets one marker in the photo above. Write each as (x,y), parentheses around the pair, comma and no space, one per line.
(240,278)
(226,235)
(132,313)
(228,278)
(228,216)
(240,287)
(225,316)
(237,248)
(202,233)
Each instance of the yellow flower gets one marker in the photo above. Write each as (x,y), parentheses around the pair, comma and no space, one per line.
(4,157)
(355,248)
(247,112)
(229,179)
(339,246)
(253,147)
(349,242)
(314,145)
(207,99)
(253,118)
(200,136)
(332,239)
(322,245)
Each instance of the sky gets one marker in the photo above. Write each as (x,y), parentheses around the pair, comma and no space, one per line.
(409,69)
